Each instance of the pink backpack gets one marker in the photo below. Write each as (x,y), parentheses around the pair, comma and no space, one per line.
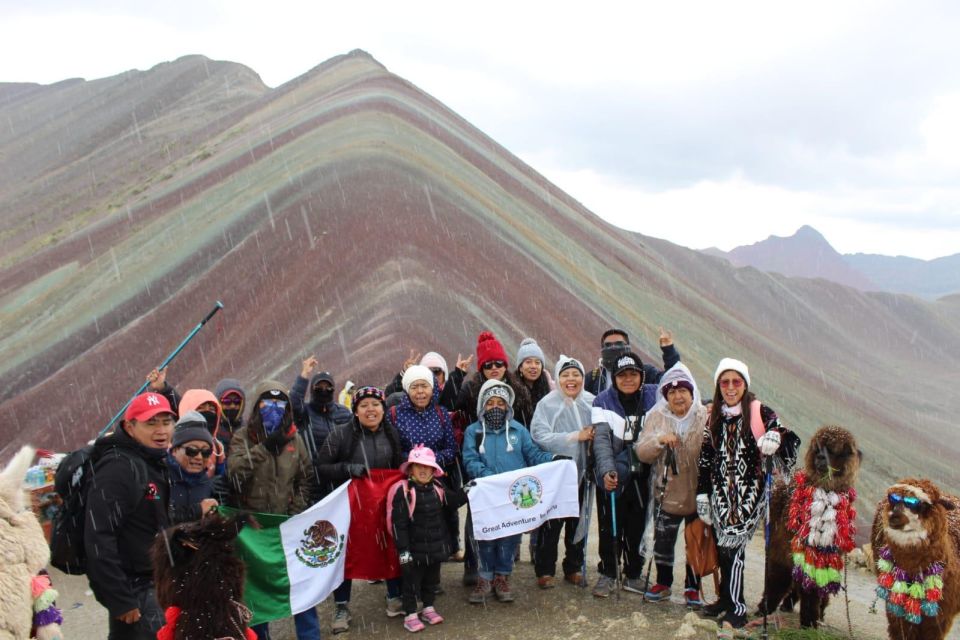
(410,499)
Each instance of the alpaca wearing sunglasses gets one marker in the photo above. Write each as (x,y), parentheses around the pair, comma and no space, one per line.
(916,543)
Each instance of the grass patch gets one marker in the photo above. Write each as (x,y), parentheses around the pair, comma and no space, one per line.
(806,634)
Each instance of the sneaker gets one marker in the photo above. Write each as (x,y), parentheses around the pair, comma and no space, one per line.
(545,582)
(501,587)
(469,577)
(458,556)
(715,610)
(604,587)
(394,607)
(480,592)
(692,596)
(412,623)
(657,592)
(575,579)
(633,585)
(341,618)
(431,616)
(438,590)
(734,621)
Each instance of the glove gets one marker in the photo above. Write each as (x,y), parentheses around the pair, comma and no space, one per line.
(406,558)
(469,485)
(769,443)
(560,457)
(703,509)
(276,441)
(356,470)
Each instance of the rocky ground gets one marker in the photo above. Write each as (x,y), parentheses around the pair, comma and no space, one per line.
(565,611)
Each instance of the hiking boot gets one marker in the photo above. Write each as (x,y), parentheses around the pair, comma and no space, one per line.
(469,577)
(715,610)
(480,592)
(657,592)
(734,621)
(575,579)
(604,587)
(545,582)
(501,587)
(633,585)
(430,616)
(412,623)
(394,607)
(341,618)
(692,597)
(438,590)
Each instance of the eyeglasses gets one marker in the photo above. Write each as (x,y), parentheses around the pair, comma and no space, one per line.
(494,364)
(193,452)
(436,371)
(910,502)
(736,383)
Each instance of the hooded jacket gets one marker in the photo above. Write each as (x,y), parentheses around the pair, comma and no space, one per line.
(558,419)
(470,391)
(314,419)
(680,495)
(127,504)
(488,451)
(265,482)
(226,427)
(192,399)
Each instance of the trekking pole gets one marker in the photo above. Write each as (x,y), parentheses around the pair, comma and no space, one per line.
(668,464)
(768,481)
(173,354)
(616,542)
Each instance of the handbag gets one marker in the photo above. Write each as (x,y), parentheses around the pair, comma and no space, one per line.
(701,548)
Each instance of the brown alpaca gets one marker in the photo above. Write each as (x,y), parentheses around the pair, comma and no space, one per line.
(196,571)
(917,539)
(832,463)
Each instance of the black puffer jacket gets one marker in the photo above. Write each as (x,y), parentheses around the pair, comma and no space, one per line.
(351,443)
(428,533)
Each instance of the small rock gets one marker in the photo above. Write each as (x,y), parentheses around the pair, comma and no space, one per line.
(639,620)
(686,631)
(581,619)
(868,556)
(856,558)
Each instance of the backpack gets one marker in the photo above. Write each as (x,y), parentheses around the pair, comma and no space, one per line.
(410,498)
(71,482)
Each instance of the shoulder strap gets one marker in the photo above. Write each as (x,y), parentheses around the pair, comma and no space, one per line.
(756,421)
(393,415)
(391,494)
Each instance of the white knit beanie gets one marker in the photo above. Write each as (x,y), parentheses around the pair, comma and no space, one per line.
(414,373)
(732,364)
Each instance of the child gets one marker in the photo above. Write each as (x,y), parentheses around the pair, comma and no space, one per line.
(496,443)
(422,517)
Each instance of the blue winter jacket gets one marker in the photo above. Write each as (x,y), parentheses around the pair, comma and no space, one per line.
(496,459)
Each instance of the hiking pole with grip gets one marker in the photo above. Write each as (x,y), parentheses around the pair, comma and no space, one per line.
(173,354)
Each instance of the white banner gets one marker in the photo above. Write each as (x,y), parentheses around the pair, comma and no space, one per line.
(314,543)
(519,501)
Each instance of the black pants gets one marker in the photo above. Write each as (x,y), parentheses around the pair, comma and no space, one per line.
(546,539)
(151,616)
(664,541)
(631,517)
(731,581)
(420,579)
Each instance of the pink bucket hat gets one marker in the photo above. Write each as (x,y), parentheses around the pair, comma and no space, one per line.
(422,455)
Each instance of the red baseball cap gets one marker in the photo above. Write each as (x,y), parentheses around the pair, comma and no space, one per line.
(147,405)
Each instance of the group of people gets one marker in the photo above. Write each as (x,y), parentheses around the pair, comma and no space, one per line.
(646,446)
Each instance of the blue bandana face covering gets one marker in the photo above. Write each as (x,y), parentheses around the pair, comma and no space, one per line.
(271,414)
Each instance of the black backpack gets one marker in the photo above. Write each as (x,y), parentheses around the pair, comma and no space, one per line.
(74,477)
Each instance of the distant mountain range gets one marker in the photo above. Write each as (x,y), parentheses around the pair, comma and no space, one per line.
(349,214)
(807,254)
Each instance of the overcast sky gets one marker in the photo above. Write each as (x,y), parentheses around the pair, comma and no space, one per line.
(709,124)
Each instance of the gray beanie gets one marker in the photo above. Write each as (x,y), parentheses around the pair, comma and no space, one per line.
(530,349)
(191,426)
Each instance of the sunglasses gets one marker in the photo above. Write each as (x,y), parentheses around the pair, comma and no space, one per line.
(193,452)
(436,371)
(910,502)
(736,383)
(491,364)
(275,403)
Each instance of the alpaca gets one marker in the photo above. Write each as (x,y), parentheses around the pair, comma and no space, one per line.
(916,544)
(812,526)
(23,554)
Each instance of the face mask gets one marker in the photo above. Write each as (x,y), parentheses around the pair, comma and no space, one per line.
(271,414)
(495,418)
(609,355)
(211,418)
(232,416)
(323,396)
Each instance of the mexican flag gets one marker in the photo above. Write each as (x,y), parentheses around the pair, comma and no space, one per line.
(294,562)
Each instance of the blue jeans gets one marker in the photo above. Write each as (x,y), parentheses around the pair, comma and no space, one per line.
(496,556)
(307,624)
(341,595)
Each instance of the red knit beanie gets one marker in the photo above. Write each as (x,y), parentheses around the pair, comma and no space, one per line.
(489,348)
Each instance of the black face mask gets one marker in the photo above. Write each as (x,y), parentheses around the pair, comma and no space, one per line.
(211,418)
(495,418)
(323,396)
(232,417)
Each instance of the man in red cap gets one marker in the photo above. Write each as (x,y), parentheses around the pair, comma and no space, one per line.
(127,504)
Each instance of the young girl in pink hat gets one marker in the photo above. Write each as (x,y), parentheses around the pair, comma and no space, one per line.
(422,514)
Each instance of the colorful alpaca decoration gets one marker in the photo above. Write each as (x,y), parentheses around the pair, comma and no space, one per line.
(909,599)
(823,526)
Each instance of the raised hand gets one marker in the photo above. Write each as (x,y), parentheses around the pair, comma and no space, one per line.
(411,360)
(462,364)
(158,379)
(308,366)
(666,337)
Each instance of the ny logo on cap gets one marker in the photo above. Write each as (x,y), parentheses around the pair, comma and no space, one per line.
(153,400)
(626,360)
